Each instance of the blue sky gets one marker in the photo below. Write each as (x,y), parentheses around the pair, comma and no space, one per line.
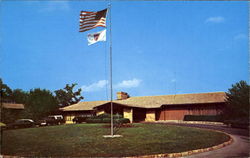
(159,48)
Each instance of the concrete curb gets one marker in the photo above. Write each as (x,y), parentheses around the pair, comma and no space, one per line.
(191,152)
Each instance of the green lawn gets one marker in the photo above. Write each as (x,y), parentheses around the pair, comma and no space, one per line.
(87,140)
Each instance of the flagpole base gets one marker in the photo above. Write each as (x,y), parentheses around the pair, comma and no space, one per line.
(112,136)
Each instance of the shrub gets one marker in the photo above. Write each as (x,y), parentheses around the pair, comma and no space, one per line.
(106,118)
(105,115)
(93,120)
(210,118)
(117,116)
(238,123)
(122,120)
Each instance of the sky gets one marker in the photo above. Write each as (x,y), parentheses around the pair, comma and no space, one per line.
(158,47)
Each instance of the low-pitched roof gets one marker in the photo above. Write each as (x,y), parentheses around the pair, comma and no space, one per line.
(155,101)
(12,106)
(86,105)
(158,101)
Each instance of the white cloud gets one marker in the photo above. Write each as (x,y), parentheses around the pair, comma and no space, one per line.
(128,83)
(95,86)
(99,85)
(173,80)
(54,6)
(240,36)
(215,19)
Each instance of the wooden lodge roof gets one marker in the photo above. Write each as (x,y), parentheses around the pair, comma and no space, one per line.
(154,101)
(86,105)
(12,106)
(158,101)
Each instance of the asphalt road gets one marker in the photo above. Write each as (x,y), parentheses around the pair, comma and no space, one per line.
(240,148)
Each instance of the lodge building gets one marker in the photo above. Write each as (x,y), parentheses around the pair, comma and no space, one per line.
(11,111)
(152,108)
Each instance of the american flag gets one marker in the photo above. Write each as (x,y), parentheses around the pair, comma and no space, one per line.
(90,20)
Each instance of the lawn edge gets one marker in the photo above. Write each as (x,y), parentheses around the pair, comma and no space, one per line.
(191,152)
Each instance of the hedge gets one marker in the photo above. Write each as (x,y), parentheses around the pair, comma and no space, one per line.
(210,118)
(238,123)
(105,115)
(92,120)
(106,118)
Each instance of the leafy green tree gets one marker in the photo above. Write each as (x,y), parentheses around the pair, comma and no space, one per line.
(19,96)
(66,96)
(40,103)
(238,101)
(13,96)
(5,92)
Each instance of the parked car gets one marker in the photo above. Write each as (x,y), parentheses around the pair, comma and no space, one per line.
(21,123)
(41,122)
(51,120)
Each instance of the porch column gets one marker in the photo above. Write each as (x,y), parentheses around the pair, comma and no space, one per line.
(128,113)
(150,115)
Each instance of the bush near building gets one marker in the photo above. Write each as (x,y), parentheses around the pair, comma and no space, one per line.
(106,118)
(210,118)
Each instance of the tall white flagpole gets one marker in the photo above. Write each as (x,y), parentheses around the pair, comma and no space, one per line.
(111,84)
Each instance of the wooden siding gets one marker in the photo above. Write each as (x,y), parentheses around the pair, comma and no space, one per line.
(177,112)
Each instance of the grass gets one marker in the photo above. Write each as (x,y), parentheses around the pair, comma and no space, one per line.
(86,140)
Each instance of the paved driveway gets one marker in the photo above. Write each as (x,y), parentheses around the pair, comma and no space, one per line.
(239,148)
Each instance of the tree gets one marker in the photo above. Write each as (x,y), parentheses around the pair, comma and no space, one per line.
(13,96)
(16,96)
(40,103)
(238,101)
(5,92)
(19,96)
(66,96)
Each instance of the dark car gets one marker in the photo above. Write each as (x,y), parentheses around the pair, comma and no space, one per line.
(41,122)
(51,120)
(21,123)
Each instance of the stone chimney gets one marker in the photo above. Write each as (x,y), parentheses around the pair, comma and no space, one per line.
(122,95)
